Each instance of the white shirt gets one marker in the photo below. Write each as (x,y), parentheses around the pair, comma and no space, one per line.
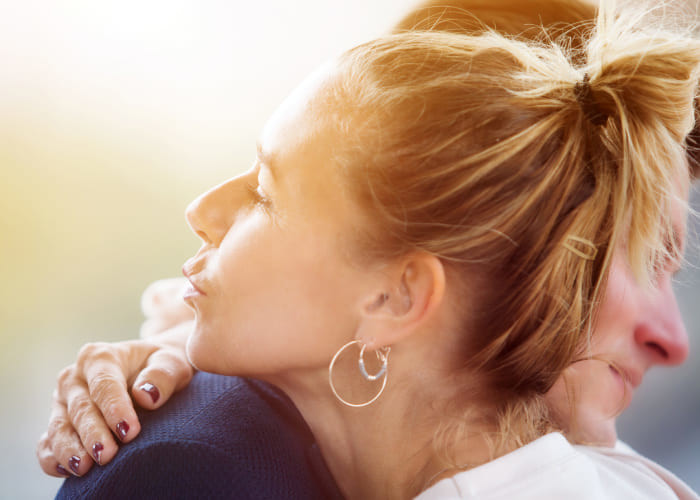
(552,468)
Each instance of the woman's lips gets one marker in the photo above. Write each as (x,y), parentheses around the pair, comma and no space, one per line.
(192,290)
(629,377)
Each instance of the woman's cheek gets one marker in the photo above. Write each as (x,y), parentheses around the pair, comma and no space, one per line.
(586,400)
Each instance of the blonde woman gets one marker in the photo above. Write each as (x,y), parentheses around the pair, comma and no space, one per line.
(457,227)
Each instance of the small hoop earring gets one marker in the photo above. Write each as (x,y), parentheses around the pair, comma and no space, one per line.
(382,355)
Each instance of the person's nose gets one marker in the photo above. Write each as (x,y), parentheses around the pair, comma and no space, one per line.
(212,213)
(663,336)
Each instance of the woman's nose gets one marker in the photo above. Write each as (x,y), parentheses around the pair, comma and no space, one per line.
(663,336)
(211,214)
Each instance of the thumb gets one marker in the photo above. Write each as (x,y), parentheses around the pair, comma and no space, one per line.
(165,373)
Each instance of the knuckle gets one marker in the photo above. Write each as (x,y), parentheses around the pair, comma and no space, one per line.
(152,297)
(87,350)
(105,388)
(97,351)
(111,409)
(66,375)
(110,400)
(58,425)
(149,328)
(79,409)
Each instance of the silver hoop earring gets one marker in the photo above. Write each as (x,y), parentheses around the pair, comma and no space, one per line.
(382,356)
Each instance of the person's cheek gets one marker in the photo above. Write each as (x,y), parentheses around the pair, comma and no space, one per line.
(586,400)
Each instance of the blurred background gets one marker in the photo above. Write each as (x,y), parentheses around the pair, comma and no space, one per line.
(113,116)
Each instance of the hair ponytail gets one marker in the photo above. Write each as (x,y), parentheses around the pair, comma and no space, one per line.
(643,81)
(523,170)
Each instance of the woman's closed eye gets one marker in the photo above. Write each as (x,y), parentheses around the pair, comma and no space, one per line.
(261,199)
(669,264)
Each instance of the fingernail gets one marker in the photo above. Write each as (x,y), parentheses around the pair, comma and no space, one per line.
(97,452)
(152,391)
(74,463)
(62,470)
(122,429)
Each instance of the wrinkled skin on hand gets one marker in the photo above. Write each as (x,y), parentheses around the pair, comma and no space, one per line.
(92,407)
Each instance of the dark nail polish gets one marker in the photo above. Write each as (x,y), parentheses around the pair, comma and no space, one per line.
(74,463)
(62,470)
(122,429)
(152,391)
(97,452)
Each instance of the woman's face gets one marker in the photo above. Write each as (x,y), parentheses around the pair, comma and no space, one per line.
(274,287)
(636,328)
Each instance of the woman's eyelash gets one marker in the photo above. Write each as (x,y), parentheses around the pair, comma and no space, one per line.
(258,195)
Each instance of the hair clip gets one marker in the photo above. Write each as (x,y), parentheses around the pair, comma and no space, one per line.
(589,252)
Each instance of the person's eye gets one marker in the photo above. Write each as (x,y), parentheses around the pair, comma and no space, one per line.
(259,196)
(670,262)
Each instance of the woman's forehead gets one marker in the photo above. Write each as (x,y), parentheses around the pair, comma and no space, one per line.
(300,146)
(307,102)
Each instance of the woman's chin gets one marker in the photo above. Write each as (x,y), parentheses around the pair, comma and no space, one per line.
(195,356)
(205,353)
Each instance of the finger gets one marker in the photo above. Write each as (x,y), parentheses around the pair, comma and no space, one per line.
(167,371)
(47,460)
(155,326)
(164,298)
(89,423)
(108,391)
(163,306)
(63,442)
(103,367)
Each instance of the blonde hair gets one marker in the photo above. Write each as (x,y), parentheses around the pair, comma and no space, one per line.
(484,151)
(532,19)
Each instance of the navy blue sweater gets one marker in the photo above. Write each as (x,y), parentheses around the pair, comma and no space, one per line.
(221,437)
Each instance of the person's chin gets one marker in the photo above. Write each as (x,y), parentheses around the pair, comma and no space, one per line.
(196,352)
(205,351)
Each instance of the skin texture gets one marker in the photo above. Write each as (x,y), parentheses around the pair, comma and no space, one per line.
(269,246)
(98,392)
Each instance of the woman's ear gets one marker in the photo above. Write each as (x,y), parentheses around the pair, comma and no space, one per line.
(412,293)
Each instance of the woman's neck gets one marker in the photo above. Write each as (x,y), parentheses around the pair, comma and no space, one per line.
(387,450)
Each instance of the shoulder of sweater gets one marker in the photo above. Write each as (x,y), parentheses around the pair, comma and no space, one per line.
(226,412)
(219,432)
(188,469)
